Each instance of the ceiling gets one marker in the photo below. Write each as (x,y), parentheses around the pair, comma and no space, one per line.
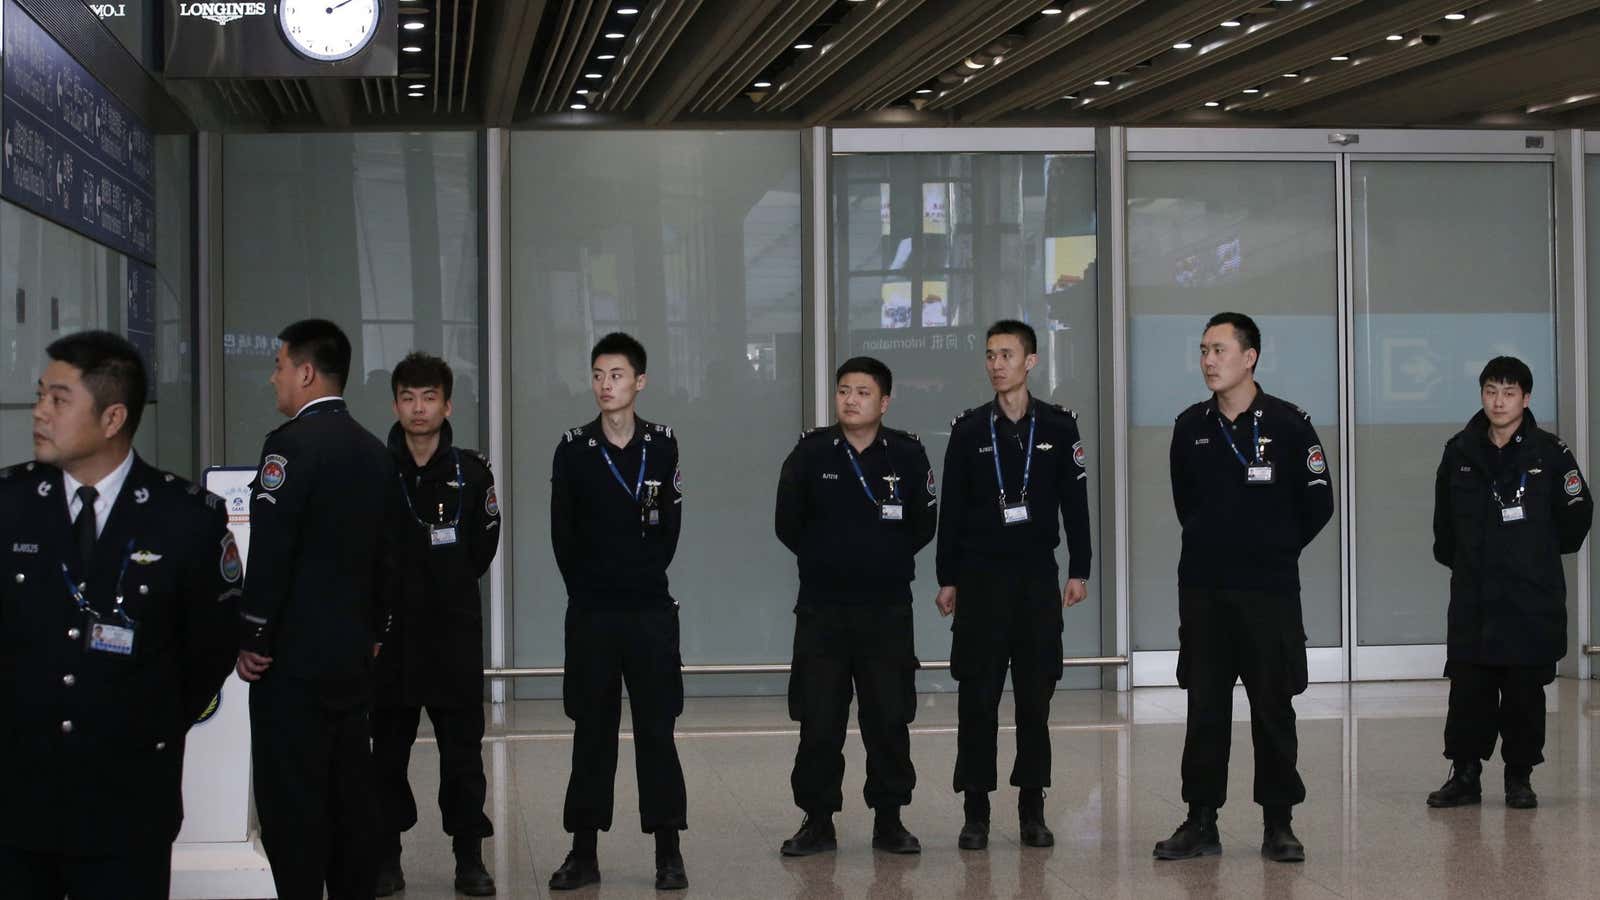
(786,63)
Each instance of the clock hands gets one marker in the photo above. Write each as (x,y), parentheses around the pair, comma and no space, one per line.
(338,6)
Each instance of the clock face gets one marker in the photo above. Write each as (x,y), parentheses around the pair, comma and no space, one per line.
(328,30)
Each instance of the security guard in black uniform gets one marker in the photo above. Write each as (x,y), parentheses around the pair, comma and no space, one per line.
(116,630)
(1012,466)
(856,501)
(1508,501)
(309,622)
(432,653)
(1251,487)
(615,513)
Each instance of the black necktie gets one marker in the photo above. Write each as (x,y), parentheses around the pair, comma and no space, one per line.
(86,525)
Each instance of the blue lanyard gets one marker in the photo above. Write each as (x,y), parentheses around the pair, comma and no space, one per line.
(1521,486)
(1027,465)
(461,487)
(639,484)
(1255,435)
(894,490)
(83,602)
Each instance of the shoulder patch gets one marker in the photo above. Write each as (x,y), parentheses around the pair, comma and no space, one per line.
(274,471)
(813,432)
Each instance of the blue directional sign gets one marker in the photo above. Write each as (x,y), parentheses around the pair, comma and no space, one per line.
(72,152)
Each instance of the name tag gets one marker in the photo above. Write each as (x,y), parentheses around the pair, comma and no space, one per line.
(1015,514)
(443,537)
(112,639)
(892,512)
(1511,514)
(1260,473)
(652,516)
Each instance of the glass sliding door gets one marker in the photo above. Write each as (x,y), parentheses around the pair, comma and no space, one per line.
(1592,183)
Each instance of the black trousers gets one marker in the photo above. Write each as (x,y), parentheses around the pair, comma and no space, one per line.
(605,649)
(315,792)
(1256,637)
(868,651)
(1491,701)
(462,787)
(1005,620)
(143,874)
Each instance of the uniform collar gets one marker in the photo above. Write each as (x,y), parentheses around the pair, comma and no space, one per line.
(402,453)
(1479,423)
(999,413)
(106,488)
(598,430)
(331,398)
(1256,408)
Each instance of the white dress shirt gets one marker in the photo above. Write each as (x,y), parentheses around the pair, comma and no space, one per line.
(108,487)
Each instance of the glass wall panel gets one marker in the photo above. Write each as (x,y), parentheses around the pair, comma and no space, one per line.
(691,242)
(929,249)
(1592,180)
(1258,237)
(1451,264)
(377,232)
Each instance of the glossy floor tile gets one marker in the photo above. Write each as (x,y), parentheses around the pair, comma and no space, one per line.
(1369,755)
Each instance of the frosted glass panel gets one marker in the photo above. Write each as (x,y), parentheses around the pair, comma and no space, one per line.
(1592,179)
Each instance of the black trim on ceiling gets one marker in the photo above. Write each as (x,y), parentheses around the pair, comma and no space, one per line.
(79,31)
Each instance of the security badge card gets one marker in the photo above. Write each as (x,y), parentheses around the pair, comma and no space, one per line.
(892,510)
(650,511)
(1259,471)
(113,639)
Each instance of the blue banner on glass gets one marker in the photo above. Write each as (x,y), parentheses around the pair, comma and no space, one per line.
(72,152)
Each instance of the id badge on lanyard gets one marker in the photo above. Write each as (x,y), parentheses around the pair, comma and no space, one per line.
(442,536)
(890,510)
(1260,470)
(101,636)
(1515,512)
(1013,512)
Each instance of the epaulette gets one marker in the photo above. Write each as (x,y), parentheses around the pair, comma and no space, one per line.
(908,435)
(478,455)
(1191,408)
(11,471)
(1060,409)
(964,414)
(813,432)
(572,434)
(661,429)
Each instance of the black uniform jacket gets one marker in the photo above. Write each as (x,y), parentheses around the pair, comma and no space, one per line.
(973,533)
(317,552)
(1508,594)
(610,553)
(847,551)
(91,756)
(1238,535)
(433,643)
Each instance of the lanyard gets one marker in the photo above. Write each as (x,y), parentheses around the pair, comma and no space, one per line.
(1027,465)
(83,603)
(461,487)
(894,490)
(638,484)
(1522,486)
(1255,435)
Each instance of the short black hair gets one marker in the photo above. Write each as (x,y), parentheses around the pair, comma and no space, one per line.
(322,344)
(1507,370)
(621,344)
(867,365)
(422,370)
(111,368)
(1023,331)
(1244,330)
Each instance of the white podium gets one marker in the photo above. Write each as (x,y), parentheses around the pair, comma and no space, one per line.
(218,855)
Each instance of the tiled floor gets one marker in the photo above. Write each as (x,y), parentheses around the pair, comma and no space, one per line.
(1369,755)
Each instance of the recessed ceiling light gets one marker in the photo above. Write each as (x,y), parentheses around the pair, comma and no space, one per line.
(1340,58)
(414,94)
(803,46)
(972,64)
(604,56)
(1051,11)
(413,26)
(581,91)
(1212,103)
(1232,23)
(1291,74)
(1455,17)
(592,75)
(412,49)
(580,106)
(628,11)
(1182,45)
(1395,37)
(1252,90)
(416,87)
(1102,83)
(615,35)
(762,84)
(1070,97)
(924,90)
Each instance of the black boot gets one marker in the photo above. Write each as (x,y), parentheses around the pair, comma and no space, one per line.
(816,835)
(670,874)
(890,835)
(1464,787)
(1197,836)
(390,879)
(1519,790)
(472,878)
(582,866)
(975,833)
(1030,812)
(1278,842)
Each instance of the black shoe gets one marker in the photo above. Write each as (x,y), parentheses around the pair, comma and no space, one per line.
(1030,812)
(1519,792)
(670,875)
(472,878)
(1279,844)
(816,835)
(974,836)
(1464,787)
(1197,836)
(390,879)
(576,872)
(891,836)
